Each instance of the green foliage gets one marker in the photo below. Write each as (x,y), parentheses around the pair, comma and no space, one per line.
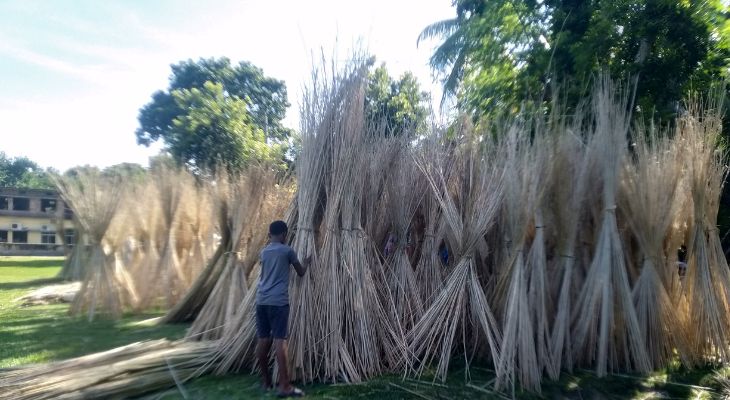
(214,112)
(22,172)
(399,103)
(507,50)
(125,171)
(216,130)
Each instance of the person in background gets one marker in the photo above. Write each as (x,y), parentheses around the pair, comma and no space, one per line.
(444,254)
(272,307)
(389,245)
(682,262)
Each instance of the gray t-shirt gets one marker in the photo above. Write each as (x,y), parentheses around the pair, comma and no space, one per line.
(276,259)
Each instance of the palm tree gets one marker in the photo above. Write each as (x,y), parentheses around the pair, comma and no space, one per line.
(451,53)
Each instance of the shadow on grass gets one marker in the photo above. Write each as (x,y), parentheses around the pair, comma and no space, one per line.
(31,262)
(29,284)
(41,333)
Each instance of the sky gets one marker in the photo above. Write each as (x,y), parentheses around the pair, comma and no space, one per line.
(74,73)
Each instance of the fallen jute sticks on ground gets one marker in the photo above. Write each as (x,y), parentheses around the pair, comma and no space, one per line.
(549,242)
(123,372)
(51,294)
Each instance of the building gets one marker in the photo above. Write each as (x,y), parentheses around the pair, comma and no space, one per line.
(34,221)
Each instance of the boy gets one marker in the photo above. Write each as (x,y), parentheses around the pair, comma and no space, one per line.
(272,307)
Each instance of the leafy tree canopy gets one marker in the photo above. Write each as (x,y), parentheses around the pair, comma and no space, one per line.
(398,102)
(23,172)
(495,53)
(217,130)
(216,113)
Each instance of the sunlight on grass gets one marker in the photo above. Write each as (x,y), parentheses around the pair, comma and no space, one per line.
(43,333)
(39,334)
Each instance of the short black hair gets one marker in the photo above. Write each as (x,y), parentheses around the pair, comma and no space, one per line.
(278,228)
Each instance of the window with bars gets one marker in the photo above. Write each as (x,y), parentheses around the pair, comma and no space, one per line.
(69,236)
(48,237)
(20,236)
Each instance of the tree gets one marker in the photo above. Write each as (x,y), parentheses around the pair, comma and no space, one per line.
(23,172)
(399,103)
(239,105)
(216,130)
(504,51)
(125,171)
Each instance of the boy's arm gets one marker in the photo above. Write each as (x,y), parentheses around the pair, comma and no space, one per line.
(301,269)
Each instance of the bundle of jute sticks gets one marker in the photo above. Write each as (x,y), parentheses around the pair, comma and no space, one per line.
(143,242)
(530,246)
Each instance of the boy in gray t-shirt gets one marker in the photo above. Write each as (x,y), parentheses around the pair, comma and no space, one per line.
(272,306)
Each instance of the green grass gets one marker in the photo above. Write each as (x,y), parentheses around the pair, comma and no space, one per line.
(45,333)
(671,384)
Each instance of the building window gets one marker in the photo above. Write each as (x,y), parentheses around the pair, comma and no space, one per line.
(48,205)
(69,236)
(4,201)
(20,236)
(48,237)
(21,204)
(3,236)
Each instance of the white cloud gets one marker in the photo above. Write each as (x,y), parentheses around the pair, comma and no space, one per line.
(129,56)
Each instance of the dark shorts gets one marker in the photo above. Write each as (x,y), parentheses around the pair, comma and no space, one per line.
(272,321)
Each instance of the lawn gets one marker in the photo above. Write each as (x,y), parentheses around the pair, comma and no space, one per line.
(44,333)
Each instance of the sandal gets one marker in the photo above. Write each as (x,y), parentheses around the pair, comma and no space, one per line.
(295,392)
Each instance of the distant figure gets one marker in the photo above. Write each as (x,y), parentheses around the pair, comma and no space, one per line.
(272,307)
(681,269)
(389,245)
(682,262)
(444,254)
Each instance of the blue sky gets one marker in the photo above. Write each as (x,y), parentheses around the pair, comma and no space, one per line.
(74,73)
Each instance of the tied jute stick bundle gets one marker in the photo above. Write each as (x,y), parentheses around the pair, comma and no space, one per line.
(96,201)
(469,215)
(429,270)
(707,288)
(518,356)
(607,332)
(538,297)
(405,197)
(303,358)
(336,360)
(172,188)
(570,164)
(648,199)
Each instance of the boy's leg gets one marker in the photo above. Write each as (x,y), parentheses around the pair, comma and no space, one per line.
(263,345)
(279,325)
(282,362)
